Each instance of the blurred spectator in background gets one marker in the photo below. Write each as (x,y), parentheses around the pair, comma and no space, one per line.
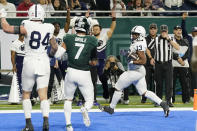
(24,6)
(78,5)
(158,4)
(148,6)
(174,5)
(129,4)
(15,2)
(118,6)
(190,39)
(8,7)
(191,5)
(103,5)
(58,7)
(181,65)
(47,6)
(193,1)
(137,6)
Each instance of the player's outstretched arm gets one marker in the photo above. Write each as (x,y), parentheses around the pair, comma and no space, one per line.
(67,24)
(9,28)
(56,50)
(113,24)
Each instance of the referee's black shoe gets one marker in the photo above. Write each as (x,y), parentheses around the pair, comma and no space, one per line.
(165,107)
(45,124)
(107,109)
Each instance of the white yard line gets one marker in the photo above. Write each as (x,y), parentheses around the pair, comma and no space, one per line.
(97,110)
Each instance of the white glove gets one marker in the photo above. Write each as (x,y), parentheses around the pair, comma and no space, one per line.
(3,13)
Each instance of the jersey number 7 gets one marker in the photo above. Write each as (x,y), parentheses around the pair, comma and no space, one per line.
(81,46)
(36,37)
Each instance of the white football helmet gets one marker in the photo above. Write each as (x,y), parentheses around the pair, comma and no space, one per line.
(36,12)
(139,30)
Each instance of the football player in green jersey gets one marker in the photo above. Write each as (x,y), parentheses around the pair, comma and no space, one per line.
(81,49)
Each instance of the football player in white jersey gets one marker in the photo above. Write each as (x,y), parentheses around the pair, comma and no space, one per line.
(36,67)
(135,73)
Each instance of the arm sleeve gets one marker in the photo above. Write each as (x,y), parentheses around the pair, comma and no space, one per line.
(93,54)
(184,31)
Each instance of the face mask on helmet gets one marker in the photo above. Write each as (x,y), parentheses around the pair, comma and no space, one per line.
(36,12)
(137,33)
(82,25)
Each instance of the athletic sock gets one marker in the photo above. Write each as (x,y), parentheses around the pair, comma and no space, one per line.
(44,106)
(152,96)
(89,104)
(27,107)
(115,99)
(67,111)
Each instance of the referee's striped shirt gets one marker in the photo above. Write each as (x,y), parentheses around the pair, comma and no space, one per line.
(163,50)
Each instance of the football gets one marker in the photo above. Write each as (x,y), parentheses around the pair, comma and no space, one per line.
(133,56)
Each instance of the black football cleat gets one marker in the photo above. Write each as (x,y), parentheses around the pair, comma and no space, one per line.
(45,124)
(165,107)
(28,127)
(106,109)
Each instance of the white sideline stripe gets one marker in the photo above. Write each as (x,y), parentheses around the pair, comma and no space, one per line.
(97,110)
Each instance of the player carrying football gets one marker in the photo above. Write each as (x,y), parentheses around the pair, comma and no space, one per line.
(135,73)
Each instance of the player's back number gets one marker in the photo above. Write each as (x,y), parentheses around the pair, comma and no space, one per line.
(35,39)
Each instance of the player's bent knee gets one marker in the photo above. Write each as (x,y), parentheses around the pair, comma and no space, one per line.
(26,95)
(143,94)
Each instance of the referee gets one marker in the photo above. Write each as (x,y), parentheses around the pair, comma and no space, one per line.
(163,63)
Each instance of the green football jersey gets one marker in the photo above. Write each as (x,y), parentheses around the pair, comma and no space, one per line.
(79,49)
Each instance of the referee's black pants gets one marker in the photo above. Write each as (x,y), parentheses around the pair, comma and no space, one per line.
(164,73)
(183,75)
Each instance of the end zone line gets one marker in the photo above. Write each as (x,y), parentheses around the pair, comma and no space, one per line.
(97,110)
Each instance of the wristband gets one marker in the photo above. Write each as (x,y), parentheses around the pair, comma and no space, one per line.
(113,18)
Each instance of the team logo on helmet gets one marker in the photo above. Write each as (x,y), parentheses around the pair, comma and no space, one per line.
(82,24)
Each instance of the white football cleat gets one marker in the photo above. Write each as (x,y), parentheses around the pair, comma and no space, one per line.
(86,118)
(69,127)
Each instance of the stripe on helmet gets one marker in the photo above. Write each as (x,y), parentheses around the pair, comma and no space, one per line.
(36,10)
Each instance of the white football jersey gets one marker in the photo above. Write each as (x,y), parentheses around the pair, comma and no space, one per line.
(135,46)
(59,40)
(102,42)
(18,47)
(38,37)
